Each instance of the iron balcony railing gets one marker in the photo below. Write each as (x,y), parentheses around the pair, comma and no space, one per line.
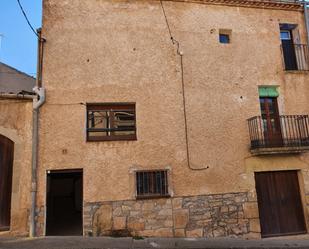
(289,131)
(296,57)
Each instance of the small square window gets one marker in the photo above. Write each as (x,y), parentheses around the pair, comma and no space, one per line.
(285,35)
(224,38)
(151,184)
(111,121)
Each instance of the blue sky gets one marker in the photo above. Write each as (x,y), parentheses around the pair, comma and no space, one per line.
(19,44)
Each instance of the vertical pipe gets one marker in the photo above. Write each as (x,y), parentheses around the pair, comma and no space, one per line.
(306,20)
(35,119)
(37,103)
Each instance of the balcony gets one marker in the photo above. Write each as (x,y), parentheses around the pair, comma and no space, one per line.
(282,134)
(296,57)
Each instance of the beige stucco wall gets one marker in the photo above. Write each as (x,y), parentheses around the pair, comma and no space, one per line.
(120,51)
(15,124)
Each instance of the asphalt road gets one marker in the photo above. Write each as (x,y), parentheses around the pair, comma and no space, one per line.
(168,243)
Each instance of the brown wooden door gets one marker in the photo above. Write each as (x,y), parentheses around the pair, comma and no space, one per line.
(6,173)
(280,206)
(271,122)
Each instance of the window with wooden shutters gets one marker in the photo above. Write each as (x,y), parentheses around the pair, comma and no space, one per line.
(112,121)
(151,184)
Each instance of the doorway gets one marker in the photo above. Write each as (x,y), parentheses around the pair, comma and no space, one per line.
(6,175)
(64,203)
(271,121)
(279,201)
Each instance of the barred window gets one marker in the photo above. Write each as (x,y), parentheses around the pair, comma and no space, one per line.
(106,122)
(150,184)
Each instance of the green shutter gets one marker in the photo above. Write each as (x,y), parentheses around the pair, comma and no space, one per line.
(268,91)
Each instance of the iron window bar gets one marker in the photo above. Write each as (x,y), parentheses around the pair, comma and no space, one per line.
(111,122)
(152,184)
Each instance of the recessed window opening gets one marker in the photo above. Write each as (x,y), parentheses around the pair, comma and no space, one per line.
(225,36)
(150,184)
(106,122)
(295,54)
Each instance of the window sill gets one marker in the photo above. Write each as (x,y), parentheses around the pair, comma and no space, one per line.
(296,71)
(145,197)
(112,138)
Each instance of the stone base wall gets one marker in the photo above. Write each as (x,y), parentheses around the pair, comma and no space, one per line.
(219,215)
(39,220)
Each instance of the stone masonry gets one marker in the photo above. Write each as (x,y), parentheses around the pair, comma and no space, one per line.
(218,215)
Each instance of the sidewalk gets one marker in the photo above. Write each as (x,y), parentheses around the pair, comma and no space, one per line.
(167,243)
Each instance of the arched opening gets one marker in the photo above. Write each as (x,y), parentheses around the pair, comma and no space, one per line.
(6,175)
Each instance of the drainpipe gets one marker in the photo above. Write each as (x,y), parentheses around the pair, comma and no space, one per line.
(307,19)
(37,103)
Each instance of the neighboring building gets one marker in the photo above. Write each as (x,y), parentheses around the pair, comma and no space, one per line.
(15,149)
(14,81)
(140,137)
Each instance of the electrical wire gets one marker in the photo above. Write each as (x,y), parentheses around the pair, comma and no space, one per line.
(174,41)
(29,24)
(166,21)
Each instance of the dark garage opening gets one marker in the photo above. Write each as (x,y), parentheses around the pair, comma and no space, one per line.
(64,203)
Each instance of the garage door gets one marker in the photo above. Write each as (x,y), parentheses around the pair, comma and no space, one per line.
(280,206)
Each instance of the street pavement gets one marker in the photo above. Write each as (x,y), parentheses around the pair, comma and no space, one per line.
(166,243)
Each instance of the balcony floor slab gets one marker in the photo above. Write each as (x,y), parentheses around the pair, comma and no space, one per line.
(280,150)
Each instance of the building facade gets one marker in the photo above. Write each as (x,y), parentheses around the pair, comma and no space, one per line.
(15,149)
(174,119)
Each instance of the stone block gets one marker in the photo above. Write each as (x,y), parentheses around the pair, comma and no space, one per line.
(252,196)
(163,233)
(180,233)
(177,203)
(232,208)
(240,199)
(206,215)
(202,223)
(117,211)
(137,206)
(236,230)
(251,210)
(102,219)
(148,214)
(228,196)
(216,204)
(163,202)
(119,223)
(224,209)
(255,225)
(125,208)
(231,221)
(196,233)
(136,226)
(168,223)
(135,213)
(167,212)
(181,218)
(219,232)
(252,236)
(148,206)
